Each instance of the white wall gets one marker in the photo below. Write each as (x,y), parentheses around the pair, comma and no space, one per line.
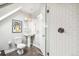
(6,34)
(40,35)
(66,16)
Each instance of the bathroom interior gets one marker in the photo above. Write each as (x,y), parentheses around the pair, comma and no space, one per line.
(39,29)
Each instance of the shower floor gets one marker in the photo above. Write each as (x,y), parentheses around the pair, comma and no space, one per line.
(33,51)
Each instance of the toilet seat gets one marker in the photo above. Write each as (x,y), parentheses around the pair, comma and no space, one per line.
(20,46)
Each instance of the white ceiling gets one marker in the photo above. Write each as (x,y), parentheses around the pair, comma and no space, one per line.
(27,8)
(30,8)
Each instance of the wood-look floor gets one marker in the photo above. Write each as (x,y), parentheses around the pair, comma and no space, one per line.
(33,51)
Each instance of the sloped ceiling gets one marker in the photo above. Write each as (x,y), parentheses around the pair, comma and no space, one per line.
(30,8)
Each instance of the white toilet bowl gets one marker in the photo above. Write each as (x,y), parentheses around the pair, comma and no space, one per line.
(20,45)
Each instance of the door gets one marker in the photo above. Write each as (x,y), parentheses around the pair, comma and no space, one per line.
(65,16)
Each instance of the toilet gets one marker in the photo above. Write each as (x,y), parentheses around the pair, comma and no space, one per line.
(19,45)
